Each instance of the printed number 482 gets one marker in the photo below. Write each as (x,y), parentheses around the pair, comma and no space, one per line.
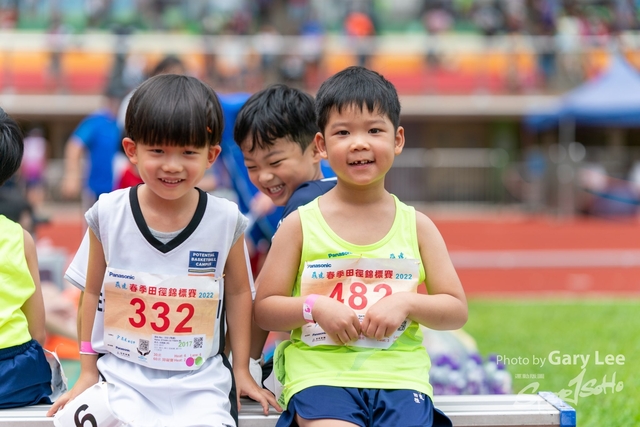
(358,299)
(162,309)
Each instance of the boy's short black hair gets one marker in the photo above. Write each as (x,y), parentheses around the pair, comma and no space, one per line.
(175,110)
(357,86)
(279,111)
(11,146)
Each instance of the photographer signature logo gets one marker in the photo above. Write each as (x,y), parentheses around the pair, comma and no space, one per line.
(579,386)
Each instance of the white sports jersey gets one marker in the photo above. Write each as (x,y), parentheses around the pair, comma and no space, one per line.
(76,273)
(145,396)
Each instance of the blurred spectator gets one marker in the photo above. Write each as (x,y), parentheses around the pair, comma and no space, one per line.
(625,17)
(292,70)
(594,26)
(15,206)
(515,15)
(33,166)
(56,41)
(488,17)
(90,151)
(358,26)
(542,20)
(618,199)
(229,62)
(268,45)
(535,169)
(297,10)
(437,18)
(312,34)
(569,40)
(96,11)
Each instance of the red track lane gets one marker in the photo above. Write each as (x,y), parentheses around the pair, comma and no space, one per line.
(543,234)
(499,233)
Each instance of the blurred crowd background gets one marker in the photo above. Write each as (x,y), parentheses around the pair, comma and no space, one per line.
(468,71)
(250,40)
(532,201)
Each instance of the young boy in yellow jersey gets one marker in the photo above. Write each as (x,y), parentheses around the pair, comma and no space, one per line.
(343,275)
(25,375)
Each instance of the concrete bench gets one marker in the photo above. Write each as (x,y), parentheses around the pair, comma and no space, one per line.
(532,410)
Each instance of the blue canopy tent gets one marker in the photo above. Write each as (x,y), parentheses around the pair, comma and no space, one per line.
(611,99)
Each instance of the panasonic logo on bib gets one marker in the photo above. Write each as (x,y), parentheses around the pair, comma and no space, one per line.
(327,265)
(122,276)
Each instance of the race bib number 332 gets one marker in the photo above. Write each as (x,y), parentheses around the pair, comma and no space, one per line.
(163,322)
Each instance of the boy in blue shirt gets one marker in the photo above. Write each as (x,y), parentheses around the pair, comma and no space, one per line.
(275,130)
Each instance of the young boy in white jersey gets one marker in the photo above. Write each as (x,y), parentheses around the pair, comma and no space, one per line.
(167,273)
(343,274)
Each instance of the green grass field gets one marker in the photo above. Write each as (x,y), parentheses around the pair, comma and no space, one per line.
(590,349)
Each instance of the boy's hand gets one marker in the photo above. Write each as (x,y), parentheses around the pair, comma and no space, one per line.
(247,387)
(83,383)
(339,321)
(385,317)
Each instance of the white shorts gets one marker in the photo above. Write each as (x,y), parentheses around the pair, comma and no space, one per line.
(144,397)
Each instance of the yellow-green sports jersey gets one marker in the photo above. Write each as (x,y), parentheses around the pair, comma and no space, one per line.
(358,276)
(16,285)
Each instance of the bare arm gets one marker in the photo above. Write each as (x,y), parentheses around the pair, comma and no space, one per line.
(447,308)
(239,316)
(33,308)
(445,305)
(72,180)
(277,310)
(88,363)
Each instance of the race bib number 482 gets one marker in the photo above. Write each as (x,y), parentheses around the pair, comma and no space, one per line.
(358,283)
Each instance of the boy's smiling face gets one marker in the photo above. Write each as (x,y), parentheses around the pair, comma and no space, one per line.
(360,145)
(280,169)
(170,171)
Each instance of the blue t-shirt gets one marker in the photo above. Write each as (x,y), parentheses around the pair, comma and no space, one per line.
(233,161)
(306,192)
(100,136)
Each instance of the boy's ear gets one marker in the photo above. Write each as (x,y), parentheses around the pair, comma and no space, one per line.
(129,147)
(312,150)
(399,140)
(212,155)
(320,145)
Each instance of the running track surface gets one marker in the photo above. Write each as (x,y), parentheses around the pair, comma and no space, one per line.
(504,255)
